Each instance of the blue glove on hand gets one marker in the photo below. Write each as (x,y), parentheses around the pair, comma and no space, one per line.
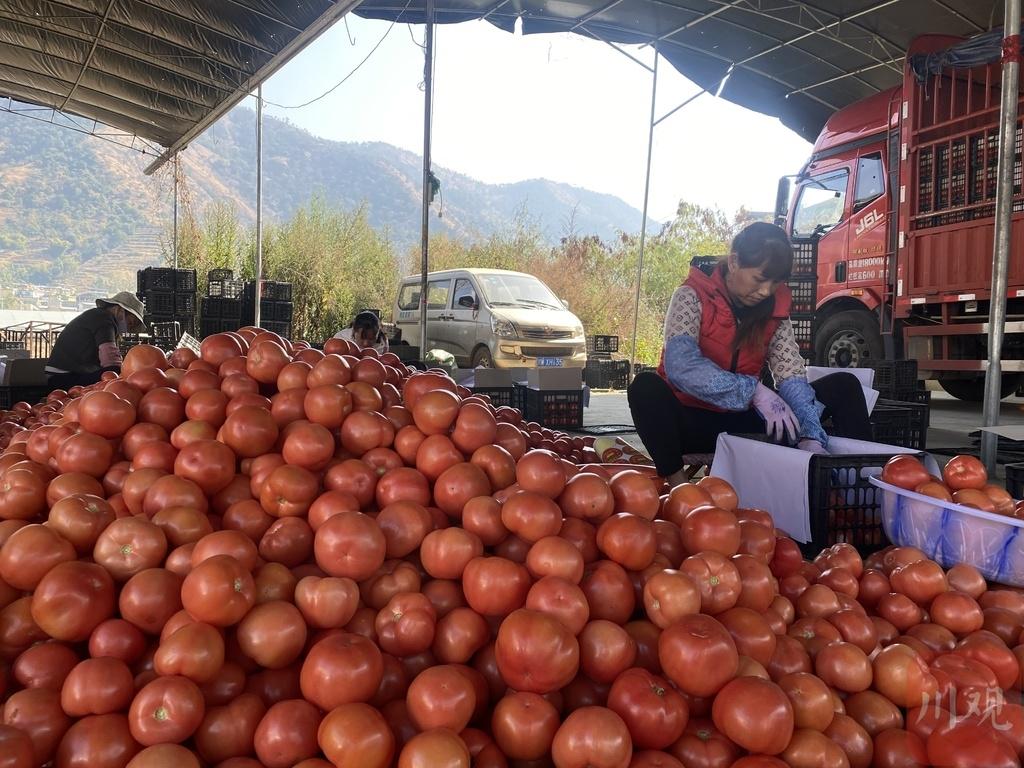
(778,416)
(812,446)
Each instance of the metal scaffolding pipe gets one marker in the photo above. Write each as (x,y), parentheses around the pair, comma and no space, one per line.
(428,92)
(174,237)
(643,221)
(1001,246)
(259,205)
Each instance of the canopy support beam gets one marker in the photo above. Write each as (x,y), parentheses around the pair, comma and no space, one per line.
(428,94)
(1001,245)
(643,220)
(257,300)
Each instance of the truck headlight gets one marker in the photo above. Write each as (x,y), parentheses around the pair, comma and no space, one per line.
(577,331)
(502,328)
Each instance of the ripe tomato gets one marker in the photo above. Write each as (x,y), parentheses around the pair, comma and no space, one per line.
(536,652)
(495,586)
(97,687)
(72,599)
(524,725)
(356,735)
(963,472)
(652,710)
(166,710)
(698,655)
(218,591)
(670,595)
(341,668)
(441,697)
(905,472)
(592,736)
(755,714)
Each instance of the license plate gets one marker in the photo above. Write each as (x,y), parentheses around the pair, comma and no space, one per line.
(550,362)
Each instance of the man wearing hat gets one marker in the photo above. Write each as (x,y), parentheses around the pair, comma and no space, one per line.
(88,345)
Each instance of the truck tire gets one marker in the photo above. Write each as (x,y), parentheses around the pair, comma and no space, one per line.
(482,358)
(848,339)
(973,390)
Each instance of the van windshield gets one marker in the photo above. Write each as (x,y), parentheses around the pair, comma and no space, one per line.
(517,290)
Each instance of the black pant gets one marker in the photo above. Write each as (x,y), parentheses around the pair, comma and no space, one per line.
(66,381)
(670,429)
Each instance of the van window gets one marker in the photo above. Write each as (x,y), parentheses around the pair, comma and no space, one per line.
(409,298)
(437,294)
(870,184)
(821,204)
(463,288)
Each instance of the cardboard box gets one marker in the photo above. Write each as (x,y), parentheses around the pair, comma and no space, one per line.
(493,378)
(555,378)
(25,373)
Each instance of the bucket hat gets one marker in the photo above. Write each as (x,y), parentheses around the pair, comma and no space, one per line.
(130,303)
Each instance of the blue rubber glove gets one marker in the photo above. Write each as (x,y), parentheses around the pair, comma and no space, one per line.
(812,446)
(778,417)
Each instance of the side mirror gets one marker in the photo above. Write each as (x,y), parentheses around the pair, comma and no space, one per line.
(467,302)
(782,201)
(565,303)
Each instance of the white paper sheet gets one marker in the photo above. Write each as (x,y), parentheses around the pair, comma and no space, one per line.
(775,478)
(866,376)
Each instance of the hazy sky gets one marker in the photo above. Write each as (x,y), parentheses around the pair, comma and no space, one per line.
(562,107)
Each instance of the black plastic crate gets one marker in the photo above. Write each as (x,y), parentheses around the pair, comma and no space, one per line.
(606,374)
(185,280)
(803,330)
(895,374)
(1015,480)
(185,303)
(155,279)
(281,311)
(270,289)
(639,368)
(805,258)
(216,275)
(561,408)
(705,264)
(170,330)
(891,425)
(602,345)
(30,394)
(186,323)
(501,396)
(226,289)
(159,303)
(918,416)
(843,505)
(805,295)
(281,329)
(211,307)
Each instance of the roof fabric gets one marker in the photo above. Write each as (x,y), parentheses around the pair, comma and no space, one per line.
(798,60)
(161,69)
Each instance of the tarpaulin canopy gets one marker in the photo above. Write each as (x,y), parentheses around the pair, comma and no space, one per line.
(163,70)
(798,60)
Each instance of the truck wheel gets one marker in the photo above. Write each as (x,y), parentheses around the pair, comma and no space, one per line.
(482,358)
(848,340)
(973,390)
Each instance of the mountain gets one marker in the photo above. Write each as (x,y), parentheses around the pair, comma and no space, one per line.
(74,206)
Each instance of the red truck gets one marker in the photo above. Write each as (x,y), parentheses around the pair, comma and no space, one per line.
(898,197)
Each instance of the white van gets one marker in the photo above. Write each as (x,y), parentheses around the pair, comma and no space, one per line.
(492,318)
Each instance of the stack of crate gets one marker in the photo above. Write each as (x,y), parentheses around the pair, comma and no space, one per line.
(169,295)
(275,306)
(222,307)
(803,284)
(602,372)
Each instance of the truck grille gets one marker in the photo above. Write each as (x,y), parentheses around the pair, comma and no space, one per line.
(543,332)
(547,351)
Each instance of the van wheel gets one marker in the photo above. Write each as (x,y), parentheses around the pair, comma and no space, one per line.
(848,340)
(482,358)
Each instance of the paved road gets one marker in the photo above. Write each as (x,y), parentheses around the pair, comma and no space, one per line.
(951,419)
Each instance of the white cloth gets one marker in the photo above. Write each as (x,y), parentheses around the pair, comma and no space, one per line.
(775,478)
(346,333)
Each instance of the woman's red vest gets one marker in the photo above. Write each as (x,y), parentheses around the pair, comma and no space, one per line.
(718,328)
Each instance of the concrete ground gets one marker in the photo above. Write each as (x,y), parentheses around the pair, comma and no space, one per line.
(951,420)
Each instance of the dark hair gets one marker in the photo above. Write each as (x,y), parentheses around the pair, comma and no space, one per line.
(366,321)
(766,247)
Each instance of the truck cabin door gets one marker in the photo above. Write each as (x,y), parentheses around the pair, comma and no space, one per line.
(868,231)
(821,212)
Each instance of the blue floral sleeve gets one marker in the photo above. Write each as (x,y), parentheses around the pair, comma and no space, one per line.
(690,372)
(799,395)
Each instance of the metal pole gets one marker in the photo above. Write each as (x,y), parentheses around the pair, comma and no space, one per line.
(259,205)
(643,222)
(175,235)
(1001,248)
(428,92)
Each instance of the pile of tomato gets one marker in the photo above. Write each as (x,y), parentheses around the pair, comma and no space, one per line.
(268,555)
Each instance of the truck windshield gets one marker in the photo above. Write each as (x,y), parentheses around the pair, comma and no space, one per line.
(820,205)
(517,290)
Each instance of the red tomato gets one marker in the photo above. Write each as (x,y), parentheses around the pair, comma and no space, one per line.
(592,737)
(698,655)
(167,710)
(755,714)
(356,736)
(653,711)
(963,472)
